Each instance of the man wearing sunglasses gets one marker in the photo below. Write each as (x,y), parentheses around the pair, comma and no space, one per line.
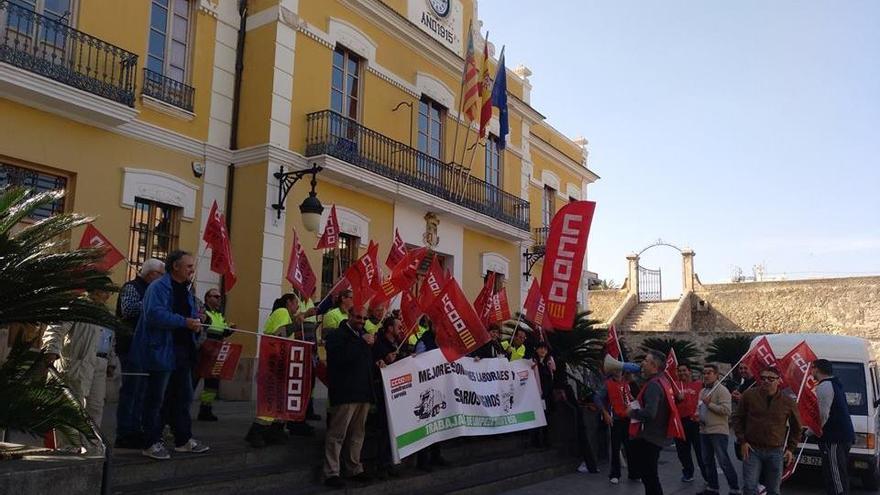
(760,426)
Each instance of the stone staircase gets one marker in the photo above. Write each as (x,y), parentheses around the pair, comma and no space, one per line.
(649,316)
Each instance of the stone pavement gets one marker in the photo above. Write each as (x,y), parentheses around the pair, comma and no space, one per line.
(805,481)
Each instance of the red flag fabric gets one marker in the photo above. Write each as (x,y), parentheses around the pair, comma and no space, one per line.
(535,309)
(759,357)
(397,252)
(410,312)
(500,309)
(403,275)
(213,226)
(284,378)
(671,364)
(93,238)
(565,250)
(612,344)
(365,276)
(221,257)
(795,369)
(482,304)
(434,281)
(218,359)
(299,271)
(459,330)
(330,238)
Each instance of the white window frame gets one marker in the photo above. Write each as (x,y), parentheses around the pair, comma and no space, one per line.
(169,39)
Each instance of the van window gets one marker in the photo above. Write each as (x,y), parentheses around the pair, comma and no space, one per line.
(874,382)
(852,376)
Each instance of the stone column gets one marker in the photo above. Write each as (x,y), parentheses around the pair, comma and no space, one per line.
(687,270)
(633,273)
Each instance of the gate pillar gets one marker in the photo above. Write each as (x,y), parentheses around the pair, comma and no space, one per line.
(633,274)
(687,270)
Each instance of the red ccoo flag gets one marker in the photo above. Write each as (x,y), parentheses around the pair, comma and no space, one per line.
(759,357)
(612,344)
(93,238)
(403,276)
(221,257)
(500,309)
(330,238)
(397,252)
(364,276)
(459,330)
(565,251)
(434,281)
(213,226)
(535,309)
(795,369)
(482,304)
(410,312)
(299,272)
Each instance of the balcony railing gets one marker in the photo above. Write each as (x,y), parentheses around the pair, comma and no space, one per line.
(52,49)
(168,90)
(539,237)
(332,134)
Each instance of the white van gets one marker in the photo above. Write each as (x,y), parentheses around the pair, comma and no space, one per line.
(857,371)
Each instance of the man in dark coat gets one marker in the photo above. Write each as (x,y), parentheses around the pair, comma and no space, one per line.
(349,369)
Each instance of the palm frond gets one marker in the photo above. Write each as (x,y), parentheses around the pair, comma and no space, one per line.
(728,348)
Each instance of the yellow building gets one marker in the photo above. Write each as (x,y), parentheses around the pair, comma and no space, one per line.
(137,109)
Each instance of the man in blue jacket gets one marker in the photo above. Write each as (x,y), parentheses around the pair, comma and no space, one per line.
(837,428)
(164,347)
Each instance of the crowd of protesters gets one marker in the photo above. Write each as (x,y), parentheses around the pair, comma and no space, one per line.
(165,323)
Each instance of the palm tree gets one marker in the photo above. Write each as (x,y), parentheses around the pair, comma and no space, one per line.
(728,348)
(41,282)
(685,350)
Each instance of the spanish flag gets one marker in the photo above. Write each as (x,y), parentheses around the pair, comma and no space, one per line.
(485,91)
(470,82)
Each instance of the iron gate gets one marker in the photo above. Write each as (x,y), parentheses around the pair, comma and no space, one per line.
(649,285)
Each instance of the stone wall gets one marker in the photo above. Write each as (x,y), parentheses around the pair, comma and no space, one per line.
(844,306)
(603,303)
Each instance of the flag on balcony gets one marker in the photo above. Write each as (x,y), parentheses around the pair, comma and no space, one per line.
(364,276)
(330,237)
(397,252)
(563,261)
(458,329)
(482,304)
(93,238)
(221,256)
(299,272)
(499,101)
(470,81)
(485,91)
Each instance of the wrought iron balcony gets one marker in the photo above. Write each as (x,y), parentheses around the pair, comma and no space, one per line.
(168,90)
(51,48)
(333,134)
(539,237)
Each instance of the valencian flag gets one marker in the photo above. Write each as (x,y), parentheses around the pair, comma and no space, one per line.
(221,250)
(93,238)
(485,90)
(458,329)
(470,81)
(535,309)
(364,276)
(500,309)
(284,378)
(612,344)
(218,359)
(483,302)
(434,281)
(397,252)
(563,260)
(760,357)
(403,276)
(499,101)
(330,238)
(795,369)
(299,272)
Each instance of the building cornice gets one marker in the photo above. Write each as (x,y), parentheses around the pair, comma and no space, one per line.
(527,111)
(560,157)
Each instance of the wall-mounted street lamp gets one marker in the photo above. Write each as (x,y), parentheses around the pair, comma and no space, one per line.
(311,207)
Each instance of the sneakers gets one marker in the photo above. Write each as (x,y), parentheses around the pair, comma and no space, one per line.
(157,451)
(614,481)
(193,446)
(584,469)
(687,479)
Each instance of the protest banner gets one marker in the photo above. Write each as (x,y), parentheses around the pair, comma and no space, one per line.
(430,400)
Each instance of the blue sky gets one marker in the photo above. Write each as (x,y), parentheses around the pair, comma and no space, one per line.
(747,130)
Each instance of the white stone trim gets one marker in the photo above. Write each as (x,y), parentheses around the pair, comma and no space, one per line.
(51,96)
(548,178)
(352,38)
(435,89)
(351,222)
(495,262)
(159,186)
(573,191)
(160,106)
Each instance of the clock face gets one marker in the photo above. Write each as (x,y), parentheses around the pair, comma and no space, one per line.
(441,7)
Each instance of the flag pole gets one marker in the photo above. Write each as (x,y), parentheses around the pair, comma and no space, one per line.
(458,118)
(721,380)
(460,172)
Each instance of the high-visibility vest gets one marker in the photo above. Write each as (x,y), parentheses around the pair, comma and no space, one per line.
(619,396)
(414,338)
(218,322)
(279,318)
(333,318)
(517,353)
(370,327)
(305,306)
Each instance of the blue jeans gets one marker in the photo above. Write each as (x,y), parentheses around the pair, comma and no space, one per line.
(764,465)
(175,387)
(715,448)
(131,402)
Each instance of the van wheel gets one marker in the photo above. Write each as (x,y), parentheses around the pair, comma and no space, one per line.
(870,481)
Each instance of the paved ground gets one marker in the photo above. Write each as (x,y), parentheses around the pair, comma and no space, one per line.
(804,482)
